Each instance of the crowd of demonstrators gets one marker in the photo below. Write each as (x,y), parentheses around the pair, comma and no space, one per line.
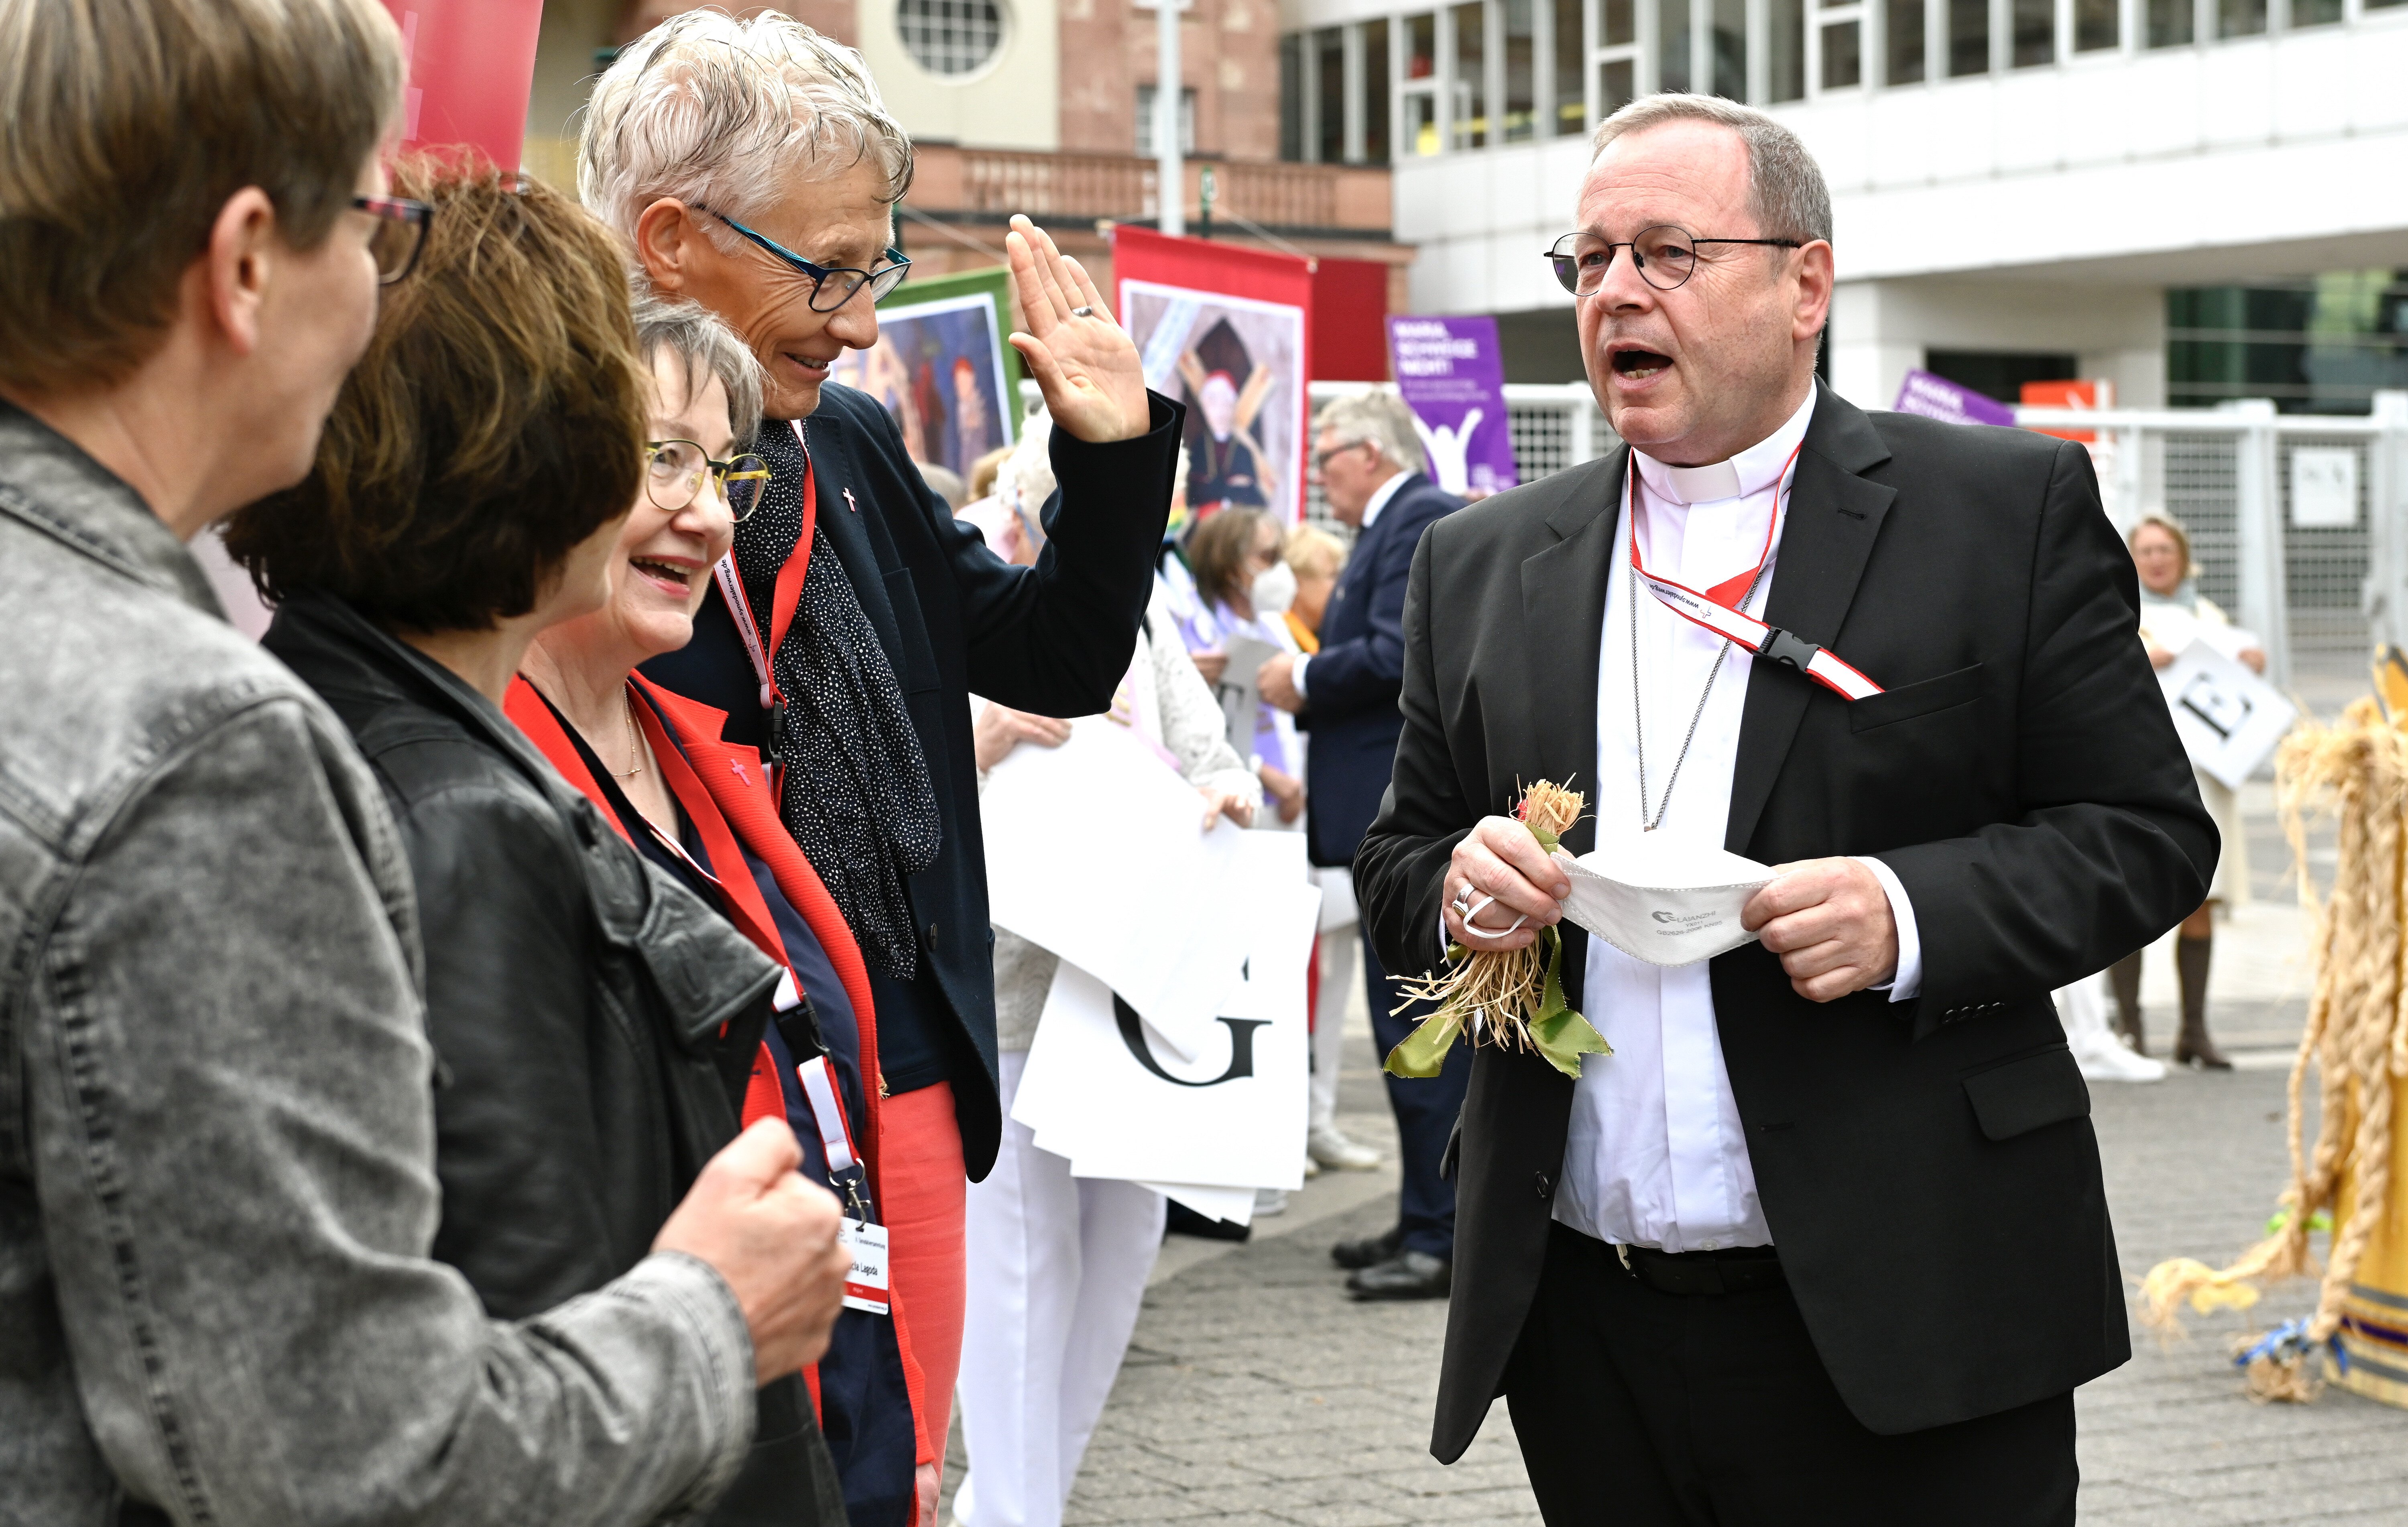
(233,1173)
(751,166)
(1368,459)
(2172,613)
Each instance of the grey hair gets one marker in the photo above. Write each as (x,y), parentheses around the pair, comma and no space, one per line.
(1785,187)
(1378,418)
(707,348)
(727,114)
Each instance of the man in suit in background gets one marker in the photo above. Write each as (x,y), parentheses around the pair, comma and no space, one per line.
(1368,459)
(1825,1238)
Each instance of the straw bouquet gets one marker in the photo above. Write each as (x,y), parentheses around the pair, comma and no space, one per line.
(1512,998)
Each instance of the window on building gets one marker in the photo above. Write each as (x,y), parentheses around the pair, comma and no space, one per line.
(1784,45)
(2035,32)
(1841,34)
(1571,46)
(2321,344)
(1904,21)
(1617,85)
(1291,59)
(1620,19)
(1521,62)
(1968,38)
(1419,128)
(1730,49)
(1467,28)
(1375,91)
(1330,95)
(951,37)
(1671,44)
(2316,12)
(2240,18)
(1145,147)
(2169,23)
(2098,24)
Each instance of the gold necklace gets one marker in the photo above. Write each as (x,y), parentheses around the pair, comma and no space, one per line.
(635,742)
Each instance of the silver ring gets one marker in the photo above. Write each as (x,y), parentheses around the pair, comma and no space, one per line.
(1083,313)
(1462,902)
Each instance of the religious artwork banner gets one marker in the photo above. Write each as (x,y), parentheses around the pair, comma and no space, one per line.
(941,369)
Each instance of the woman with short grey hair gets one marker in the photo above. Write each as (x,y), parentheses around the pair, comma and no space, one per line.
(751,166)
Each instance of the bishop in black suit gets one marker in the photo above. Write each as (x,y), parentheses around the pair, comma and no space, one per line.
(1825,1238)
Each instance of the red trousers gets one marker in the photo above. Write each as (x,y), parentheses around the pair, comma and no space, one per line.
(920,1176)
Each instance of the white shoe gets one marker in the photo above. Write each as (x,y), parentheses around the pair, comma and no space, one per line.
(2098,1049)
(2112,1062)
(1311,1167)
(1331,1148)
(1269,1201)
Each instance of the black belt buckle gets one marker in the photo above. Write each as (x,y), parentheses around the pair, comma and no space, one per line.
(1783,648)
(1688,1274)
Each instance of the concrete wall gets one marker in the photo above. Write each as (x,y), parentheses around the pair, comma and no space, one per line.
(1007,105)
(1879,329)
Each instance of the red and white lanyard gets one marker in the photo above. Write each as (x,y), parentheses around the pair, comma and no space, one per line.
(1713,608)
(782,613)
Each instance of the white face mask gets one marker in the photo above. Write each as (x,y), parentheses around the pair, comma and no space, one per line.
(1659,899)
(1273,590)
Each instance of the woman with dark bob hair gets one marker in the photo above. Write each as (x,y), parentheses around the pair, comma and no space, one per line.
(596,1024)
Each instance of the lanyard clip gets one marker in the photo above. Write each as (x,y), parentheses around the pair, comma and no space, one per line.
(1783,648)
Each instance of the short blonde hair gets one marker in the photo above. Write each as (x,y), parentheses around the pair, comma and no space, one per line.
(727,114)
(2173,527)
(1313,551)
(130,122)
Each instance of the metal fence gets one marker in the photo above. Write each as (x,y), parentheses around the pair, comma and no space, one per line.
(2298,522)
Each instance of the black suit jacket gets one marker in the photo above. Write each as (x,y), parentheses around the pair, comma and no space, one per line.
(1928,1168)
(953,617)
(1353,679)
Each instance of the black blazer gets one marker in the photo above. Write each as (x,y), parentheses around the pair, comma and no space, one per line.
(954,617)
(1353,679)
(1928,1168)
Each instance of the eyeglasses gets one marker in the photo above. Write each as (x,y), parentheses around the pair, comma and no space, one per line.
(1666,256)
(830,289)
(399,234)
(675,469)
(1321,459)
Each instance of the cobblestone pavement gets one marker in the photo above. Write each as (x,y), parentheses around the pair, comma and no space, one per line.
(1257,1394)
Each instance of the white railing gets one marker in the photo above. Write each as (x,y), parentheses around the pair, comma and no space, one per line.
(2239,478)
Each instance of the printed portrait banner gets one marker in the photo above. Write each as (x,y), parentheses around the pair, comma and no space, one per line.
(941,368)
(1228,331)
(1937,397)
(1450,375)
(471,68)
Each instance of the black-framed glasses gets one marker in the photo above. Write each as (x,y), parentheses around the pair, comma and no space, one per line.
(1666,257)
(399,234)
(830,289)
(1321,459)
(674,471)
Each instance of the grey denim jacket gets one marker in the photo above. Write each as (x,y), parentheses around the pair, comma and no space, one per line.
(217,1142)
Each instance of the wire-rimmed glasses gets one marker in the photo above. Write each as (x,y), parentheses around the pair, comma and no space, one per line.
(399,234)
(674,471)
(830,289)
(1667,256)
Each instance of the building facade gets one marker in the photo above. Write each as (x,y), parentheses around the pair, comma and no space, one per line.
(2199,200)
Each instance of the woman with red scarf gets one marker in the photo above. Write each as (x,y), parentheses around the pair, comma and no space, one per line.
(703,811)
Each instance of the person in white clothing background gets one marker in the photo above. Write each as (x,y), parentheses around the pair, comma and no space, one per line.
(1058,1265)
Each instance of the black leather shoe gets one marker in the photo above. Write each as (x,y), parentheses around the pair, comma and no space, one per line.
(1408,1275)
(1371,1251)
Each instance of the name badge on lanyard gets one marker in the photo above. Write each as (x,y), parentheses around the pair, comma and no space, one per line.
(788,595)
(1818,663)
(865,1286)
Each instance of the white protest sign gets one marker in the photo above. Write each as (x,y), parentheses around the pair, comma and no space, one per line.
(1097,1092)
(2228,719)
(1097,852)
(1241,701)
(2324,486)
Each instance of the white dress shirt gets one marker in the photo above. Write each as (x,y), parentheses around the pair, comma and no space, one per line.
(1656,1155)
(1371,508)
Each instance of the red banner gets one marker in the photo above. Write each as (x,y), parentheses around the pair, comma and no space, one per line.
(471,68)
(1229,331)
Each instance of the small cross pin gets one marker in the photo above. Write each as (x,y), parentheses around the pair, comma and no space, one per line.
(849,503)
(737,765)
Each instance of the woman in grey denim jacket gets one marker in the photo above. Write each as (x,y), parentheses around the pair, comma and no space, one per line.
(217,1186)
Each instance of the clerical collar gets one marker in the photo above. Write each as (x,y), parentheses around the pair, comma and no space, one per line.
(1752,471)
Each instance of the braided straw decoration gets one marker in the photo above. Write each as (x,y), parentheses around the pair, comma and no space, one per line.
(2356,1033)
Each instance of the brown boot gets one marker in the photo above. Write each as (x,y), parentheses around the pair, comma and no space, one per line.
(2194,1048)
(2125,976)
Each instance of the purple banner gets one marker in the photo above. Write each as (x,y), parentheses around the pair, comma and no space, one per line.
(1937,397)
(1451,376)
